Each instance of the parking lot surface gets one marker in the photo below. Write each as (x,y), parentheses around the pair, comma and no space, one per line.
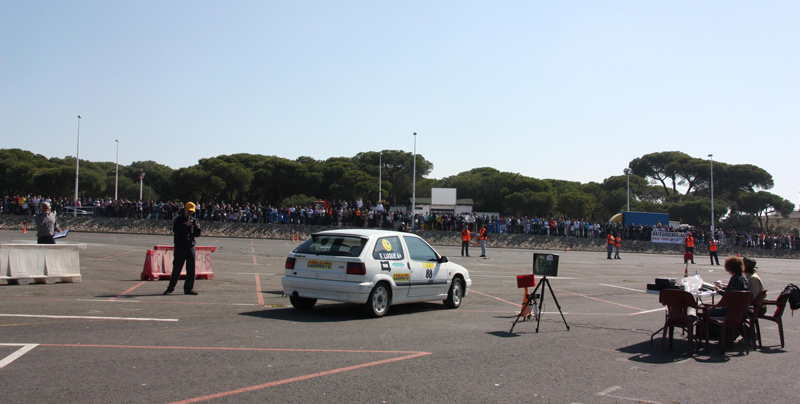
(115,338)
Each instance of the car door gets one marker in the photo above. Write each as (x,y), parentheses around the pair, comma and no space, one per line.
(388,252)
(428,276)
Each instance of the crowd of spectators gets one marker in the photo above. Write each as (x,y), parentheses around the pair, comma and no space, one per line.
(340,213)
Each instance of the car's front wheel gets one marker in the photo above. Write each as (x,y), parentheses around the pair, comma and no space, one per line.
(302,303)
(455,294)
(379,301)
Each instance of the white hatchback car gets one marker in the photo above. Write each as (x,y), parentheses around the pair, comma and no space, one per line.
(376,268)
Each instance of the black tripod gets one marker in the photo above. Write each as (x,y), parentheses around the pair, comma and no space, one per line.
(531,301)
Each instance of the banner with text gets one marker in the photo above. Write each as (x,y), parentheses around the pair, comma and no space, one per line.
(669,237)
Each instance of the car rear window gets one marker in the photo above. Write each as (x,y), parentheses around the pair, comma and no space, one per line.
(342,246)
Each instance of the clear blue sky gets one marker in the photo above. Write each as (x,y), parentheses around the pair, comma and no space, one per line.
(570,90)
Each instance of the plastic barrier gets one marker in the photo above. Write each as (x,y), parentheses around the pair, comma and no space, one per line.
(40,262)
(158,263)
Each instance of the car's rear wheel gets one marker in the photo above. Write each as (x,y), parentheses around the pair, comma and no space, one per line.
(302,303)
(455,294)
(379,300)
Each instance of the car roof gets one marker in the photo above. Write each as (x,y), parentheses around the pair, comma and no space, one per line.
(365,233)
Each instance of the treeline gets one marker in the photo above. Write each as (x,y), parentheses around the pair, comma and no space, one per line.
(671,182)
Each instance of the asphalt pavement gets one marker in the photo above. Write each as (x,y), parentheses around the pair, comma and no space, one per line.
(115,338)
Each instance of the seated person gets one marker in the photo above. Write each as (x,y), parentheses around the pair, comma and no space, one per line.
(735,267)
(753,280)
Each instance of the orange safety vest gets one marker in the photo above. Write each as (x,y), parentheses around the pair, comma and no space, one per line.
(690,241)
(610,239)
(465,235)
(712,246)
(618,242)
(482,234)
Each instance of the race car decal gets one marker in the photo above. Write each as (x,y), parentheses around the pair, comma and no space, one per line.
(386,245)
(428,265)
(402,277)
(312,264)
(390,256)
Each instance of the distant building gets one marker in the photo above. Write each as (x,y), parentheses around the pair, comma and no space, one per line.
(443,200)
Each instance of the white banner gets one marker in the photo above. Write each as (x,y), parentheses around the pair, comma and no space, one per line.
(669,237)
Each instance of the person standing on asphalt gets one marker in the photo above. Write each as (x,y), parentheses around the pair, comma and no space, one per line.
(610,241)
(482,237)
(689,241)
(464,238)
(186,229)
(617,245)
(46,225)
(712,250)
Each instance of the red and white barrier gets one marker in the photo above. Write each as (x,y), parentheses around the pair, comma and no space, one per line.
(158,263)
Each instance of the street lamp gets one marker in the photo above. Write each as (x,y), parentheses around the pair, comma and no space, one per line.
(711,157)
(414,181)
(380,177)
(77,170)
(627,172)
(116,177)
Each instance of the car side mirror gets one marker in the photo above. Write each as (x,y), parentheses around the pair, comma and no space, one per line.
(443,259)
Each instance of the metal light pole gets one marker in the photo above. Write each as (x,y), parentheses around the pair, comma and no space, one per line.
(711,156)
(116,179)
(380,177)
(77,170)
(627,172)
(414,181)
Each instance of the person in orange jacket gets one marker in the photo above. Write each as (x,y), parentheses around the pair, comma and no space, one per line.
(712,250)
(689,241)
(617,245)
(482,237)
(464,239)
(611,241)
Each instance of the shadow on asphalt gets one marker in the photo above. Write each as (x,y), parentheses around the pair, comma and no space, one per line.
(338,312)
(646,353)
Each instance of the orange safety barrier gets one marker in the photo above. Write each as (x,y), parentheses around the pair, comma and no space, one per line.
(158,263)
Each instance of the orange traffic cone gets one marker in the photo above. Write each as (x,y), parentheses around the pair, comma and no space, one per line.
(24,227)
(565,249)
(737,254)
(525,311)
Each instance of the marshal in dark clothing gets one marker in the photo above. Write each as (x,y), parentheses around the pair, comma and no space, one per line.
(186,229)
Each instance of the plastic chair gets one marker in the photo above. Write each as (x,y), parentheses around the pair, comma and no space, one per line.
(735,303)
(776,317)
(678,303)
(755,329)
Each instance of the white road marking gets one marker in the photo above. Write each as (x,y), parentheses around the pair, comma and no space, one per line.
(14,356)
(89,317)
(107,301)
(648,311)
(605,392)
(622,287)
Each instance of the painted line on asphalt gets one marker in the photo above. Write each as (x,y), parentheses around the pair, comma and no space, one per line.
(605,393)
(17,354)
(117,255)
(647,311)
(259,294)
(107,300)
(622,287)
(600,300)
(127,291)
(496,298)
(88,317)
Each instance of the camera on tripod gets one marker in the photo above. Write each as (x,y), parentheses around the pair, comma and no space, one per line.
(544,265)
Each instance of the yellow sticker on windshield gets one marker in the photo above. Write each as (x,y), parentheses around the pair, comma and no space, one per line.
(386,245)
